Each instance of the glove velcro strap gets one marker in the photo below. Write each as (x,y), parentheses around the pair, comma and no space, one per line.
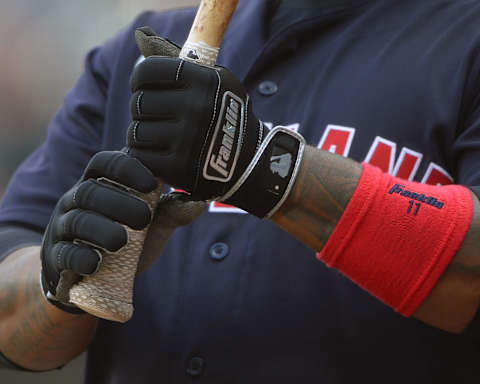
(268,180)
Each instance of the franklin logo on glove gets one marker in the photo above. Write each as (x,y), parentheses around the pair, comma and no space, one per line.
(226,140)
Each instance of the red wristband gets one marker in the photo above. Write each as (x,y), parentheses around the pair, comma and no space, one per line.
(396,237)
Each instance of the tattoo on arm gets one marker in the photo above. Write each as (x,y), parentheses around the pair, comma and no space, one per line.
(467,259)
(455,299)
(33,333)
(320,195)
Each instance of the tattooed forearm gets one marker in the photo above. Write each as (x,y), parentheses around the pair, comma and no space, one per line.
(455,299)
(473,270)
(33,333)
(467,260)
(321,193)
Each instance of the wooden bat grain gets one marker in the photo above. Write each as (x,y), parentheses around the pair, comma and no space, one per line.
(207,31)
(211,21)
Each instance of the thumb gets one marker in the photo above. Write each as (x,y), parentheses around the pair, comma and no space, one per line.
(177,209)
(173,211)
(152,45)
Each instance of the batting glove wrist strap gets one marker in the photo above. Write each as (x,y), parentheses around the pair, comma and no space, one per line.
(268,180)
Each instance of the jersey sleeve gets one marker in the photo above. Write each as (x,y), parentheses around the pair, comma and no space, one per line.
(467,153)
(74,134)
(466,148)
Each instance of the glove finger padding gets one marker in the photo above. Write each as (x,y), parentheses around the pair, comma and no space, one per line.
(174,210)
(92,221)
(109,293)
(77,260)
(109,201)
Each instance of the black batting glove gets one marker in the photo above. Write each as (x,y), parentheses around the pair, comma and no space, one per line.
(90,218)
(193,126)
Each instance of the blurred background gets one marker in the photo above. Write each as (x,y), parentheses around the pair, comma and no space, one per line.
(42,45)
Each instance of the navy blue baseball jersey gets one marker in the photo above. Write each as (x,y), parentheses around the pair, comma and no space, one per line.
(234,299)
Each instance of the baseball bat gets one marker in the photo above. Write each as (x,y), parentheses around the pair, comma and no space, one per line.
(108,293)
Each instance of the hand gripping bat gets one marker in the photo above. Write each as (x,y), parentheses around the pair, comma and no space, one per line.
(109,293)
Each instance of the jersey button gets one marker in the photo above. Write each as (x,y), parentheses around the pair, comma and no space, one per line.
(267,88)
(195,366)
(219,251)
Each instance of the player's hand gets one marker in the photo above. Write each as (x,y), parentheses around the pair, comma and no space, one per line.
(174,209)
(91,218)
(193,126)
